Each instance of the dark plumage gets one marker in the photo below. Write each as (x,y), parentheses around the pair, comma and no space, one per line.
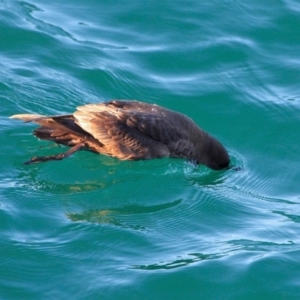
(129,130)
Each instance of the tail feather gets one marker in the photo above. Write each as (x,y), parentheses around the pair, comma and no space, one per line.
(44,133)
(60,129)
(53,126)
(27,117)
(56,135)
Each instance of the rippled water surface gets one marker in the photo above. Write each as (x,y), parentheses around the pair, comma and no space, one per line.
(93,227)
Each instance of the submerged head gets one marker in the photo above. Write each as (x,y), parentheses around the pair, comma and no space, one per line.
(215,156)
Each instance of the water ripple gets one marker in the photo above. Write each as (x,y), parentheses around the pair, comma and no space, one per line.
(103,228)
(178,263)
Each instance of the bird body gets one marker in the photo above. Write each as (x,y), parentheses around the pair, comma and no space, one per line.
(129,130)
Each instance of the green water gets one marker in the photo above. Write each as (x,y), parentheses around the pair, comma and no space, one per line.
(93,227)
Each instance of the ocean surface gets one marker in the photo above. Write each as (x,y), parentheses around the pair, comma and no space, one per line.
(94,227)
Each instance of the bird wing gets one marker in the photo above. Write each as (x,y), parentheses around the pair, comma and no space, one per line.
(137,132)
(109,126)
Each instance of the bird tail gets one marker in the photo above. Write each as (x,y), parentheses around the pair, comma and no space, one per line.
(28,117)
(60,129)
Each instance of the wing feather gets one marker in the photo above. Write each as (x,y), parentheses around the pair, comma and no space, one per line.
(124,130)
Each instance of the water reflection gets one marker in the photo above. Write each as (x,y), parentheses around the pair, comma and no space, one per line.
(113,216)
(179,262)
(68,179)
(102,217)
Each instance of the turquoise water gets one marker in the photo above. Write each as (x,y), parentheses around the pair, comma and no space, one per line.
(93,227)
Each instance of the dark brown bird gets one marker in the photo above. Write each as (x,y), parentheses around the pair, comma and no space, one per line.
(129,130)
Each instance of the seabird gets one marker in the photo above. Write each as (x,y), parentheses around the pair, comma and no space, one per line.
(128,130)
